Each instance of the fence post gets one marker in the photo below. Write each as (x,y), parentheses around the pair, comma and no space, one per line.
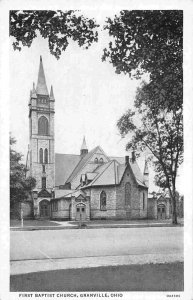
(21,218)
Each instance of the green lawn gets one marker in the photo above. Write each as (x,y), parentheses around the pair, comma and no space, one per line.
(148,277)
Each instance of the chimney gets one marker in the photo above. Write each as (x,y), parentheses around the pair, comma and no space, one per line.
(133,156)
(126,160)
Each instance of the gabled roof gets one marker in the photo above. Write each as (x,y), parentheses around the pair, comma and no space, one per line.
(41,88)
(137,173)
(82,163)
(61,193)
(107,174)
(64,165)
(68,166)
(91,175)
(112,172)
(120,160)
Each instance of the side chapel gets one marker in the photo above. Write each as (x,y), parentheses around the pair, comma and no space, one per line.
(89,185)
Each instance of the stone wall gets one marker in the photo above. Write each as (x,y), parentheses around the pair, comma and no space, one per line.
(135,211)
(63,210)
(152,208)
(110,212)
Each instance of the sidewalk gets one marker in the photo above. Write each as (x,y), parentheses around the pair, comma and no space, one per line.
(39,265)
(58,225)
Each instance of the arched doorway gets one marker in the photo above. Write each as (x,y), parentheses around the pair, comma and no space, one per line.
(161,211)
(44,206)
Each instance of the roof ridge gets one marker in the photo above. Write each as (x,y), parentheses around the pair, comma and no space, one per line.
(99,166)
(68,154)
(88,155)
(98,176)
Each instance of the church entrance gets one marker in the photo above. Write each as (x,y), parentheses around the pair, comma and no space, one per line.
(44,209)
(161,211)
(80,212)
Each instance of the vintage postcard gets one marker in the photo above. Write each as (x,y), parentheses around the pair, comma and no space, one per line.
(96,112)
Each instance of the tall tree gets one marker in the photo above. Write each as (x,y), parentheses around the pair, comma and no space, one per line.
(57,26)
(20,186)
(151,42)
(160,131)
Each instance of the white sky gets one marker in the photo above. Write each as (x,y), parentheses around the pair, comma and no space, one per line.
(89,96)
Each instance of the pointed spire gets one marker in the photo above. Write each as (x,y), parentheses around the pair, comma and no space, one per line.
(51,93)
(84,149)
(41,83)
(146,169)
(84,146)
(146,174)
(33,94)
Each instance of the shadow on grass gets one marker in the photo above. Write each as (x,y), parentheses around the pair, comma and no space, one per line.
(148,277)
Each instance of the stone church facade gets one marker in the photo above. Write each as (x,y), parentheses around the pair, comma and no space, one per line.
(91,185)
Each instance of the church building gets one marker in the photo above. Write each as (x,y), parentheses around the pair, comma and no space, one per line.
(86,186)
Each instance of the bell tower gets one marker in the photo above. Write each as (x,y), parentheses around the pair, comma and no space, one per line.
(41,146)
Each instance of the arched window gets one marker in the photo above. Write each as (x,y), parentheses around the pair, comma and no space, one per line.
(128,194)
(46,156)
(101,160)
(43,126)
(143,200)
(96,160)
(41,156)
(103,201)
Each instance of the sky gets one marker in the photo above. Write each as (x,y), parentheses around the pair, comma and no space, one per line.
(89,96)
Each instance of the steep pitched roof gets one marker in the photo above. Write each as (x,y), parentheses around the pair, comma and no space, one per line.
(41,83)
(137,173)
(106,174)
(120,160)
(81,164)
(62,193)
(112,172)
(64,165)
(68,166)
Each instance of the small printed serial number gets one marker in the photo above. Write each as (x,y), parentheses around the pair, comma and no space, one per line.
(173,296)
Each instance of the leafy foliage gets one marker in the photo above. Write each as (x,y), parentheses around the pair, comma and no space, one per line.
(57,26)
(20,186)
(159,130)
(150,42)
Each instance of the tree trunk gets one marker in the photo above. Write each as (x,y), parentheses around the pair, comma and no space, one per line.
(174,210)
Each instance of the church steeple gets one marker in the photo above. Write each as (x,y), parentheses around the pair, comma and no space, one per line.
(41,88)
(84,149)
